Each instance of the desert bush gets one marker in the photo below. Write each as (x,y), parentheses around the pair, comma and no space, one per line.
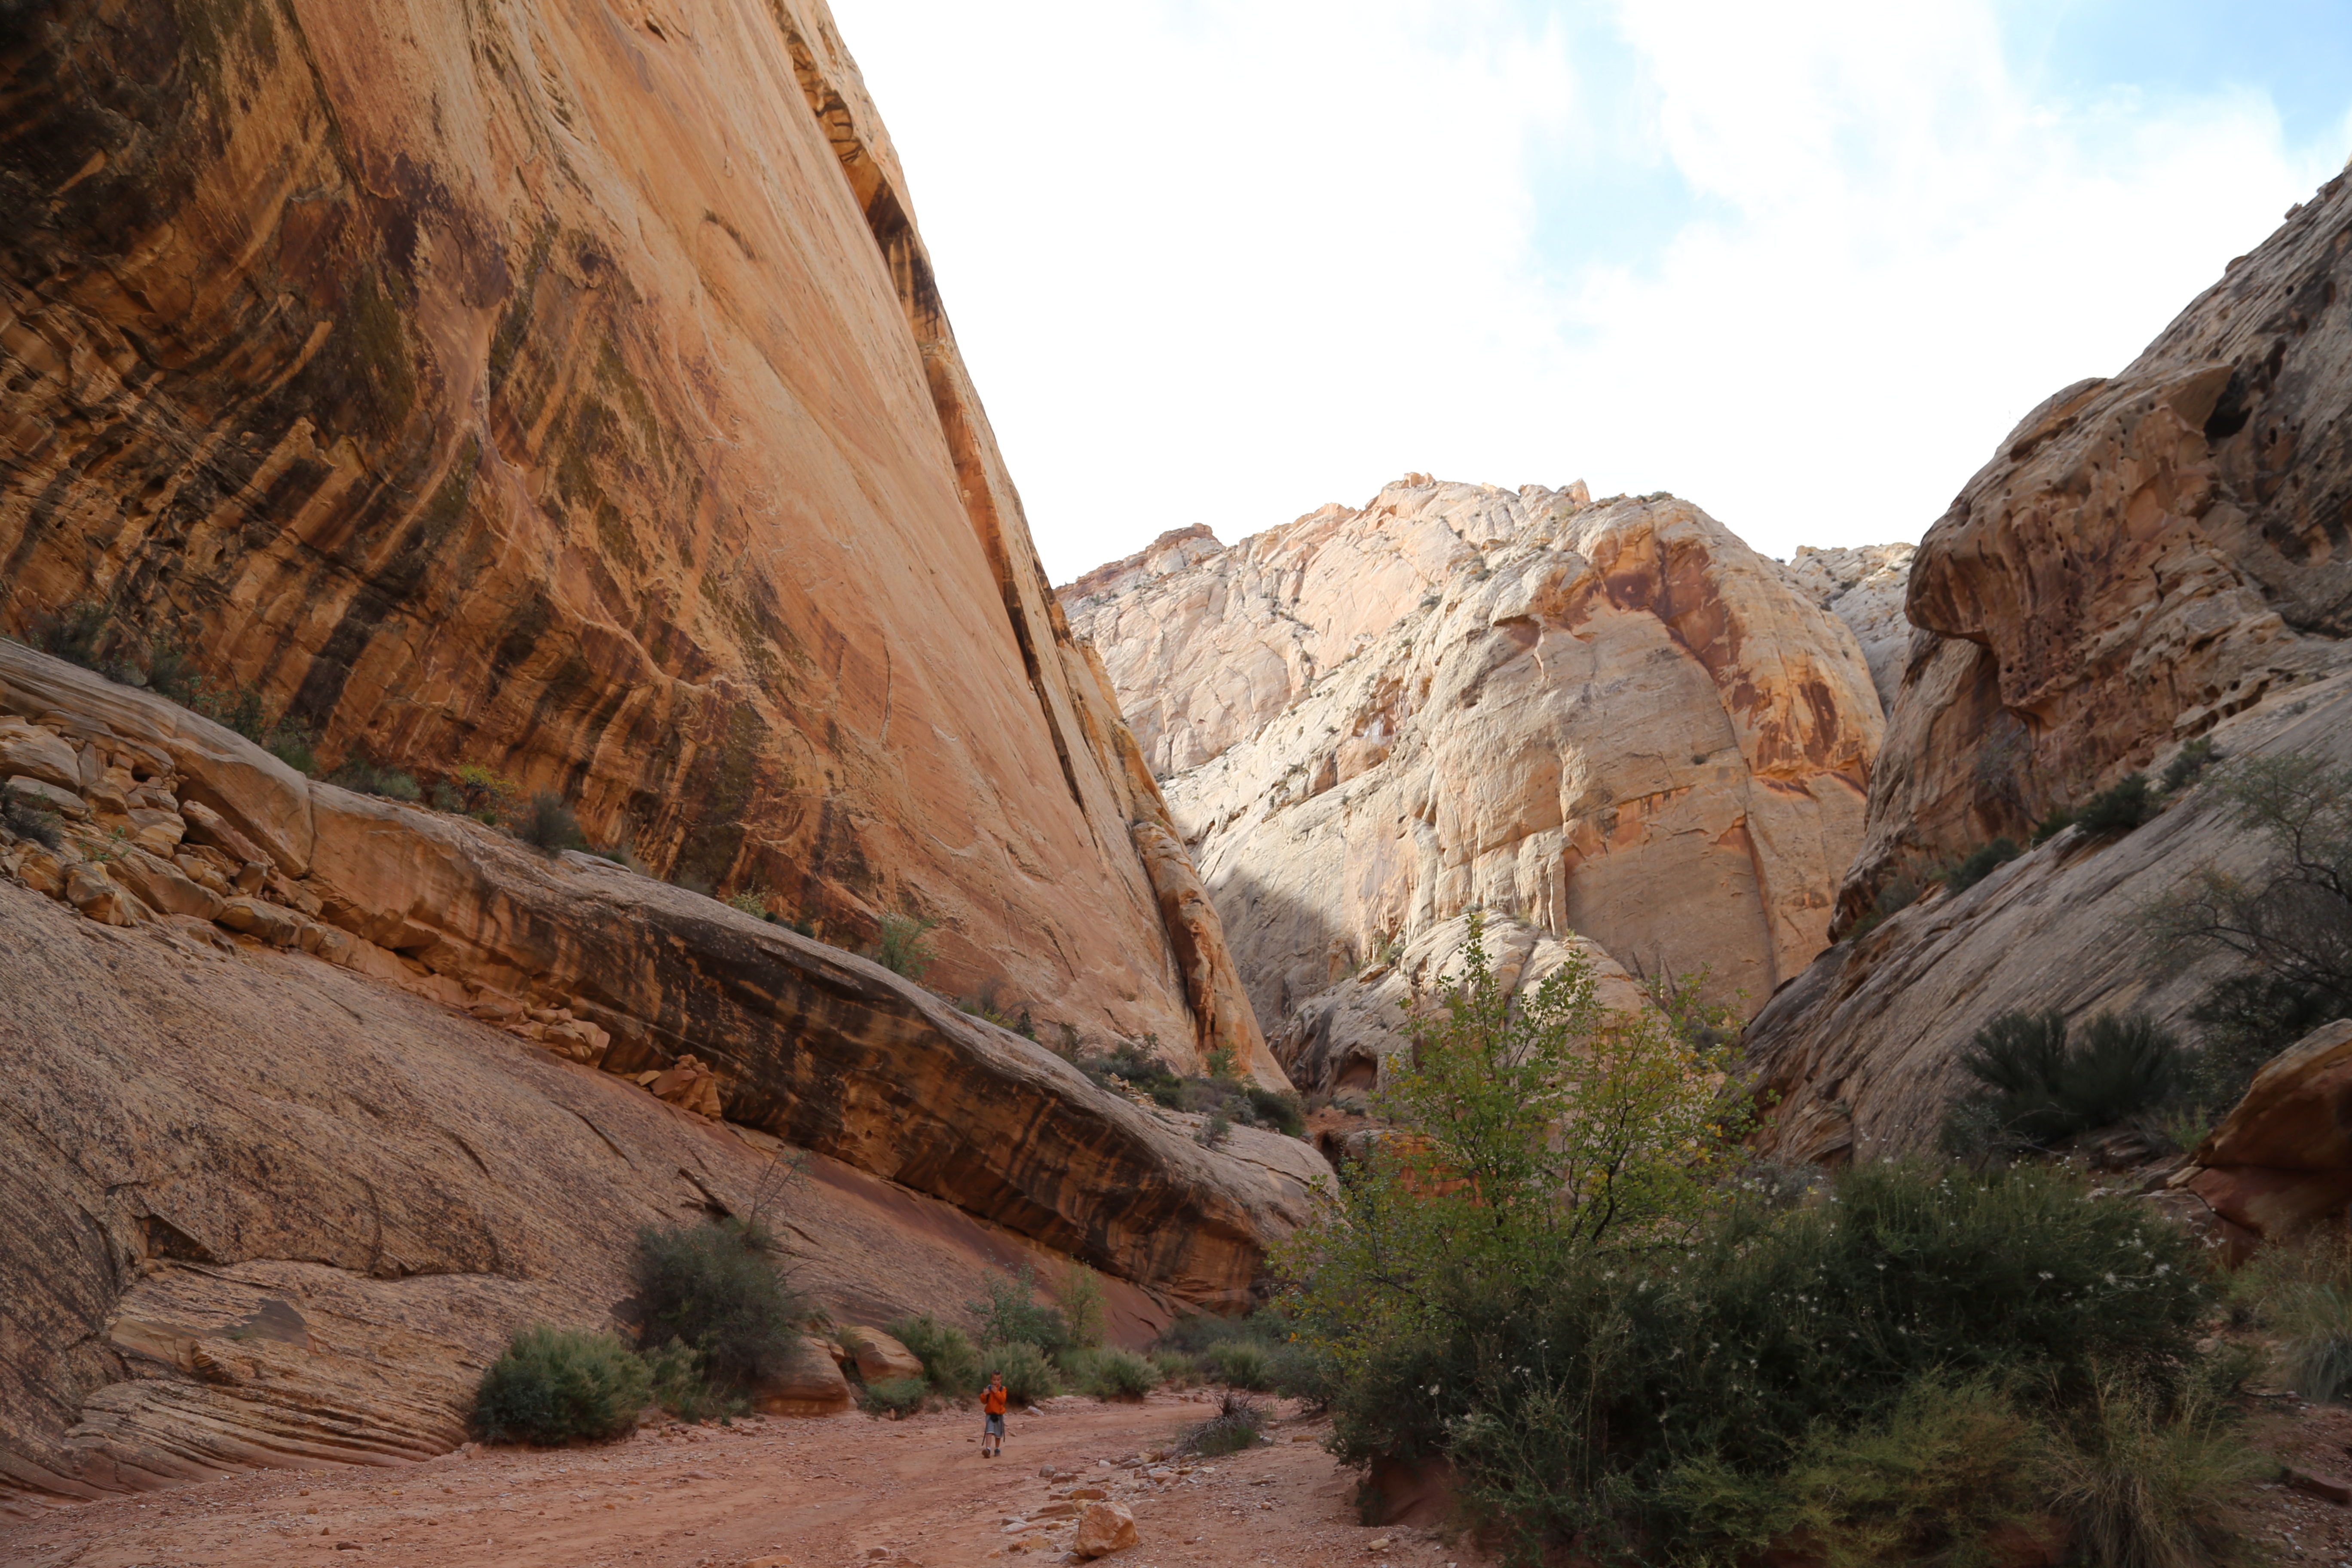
(27,820)
(1216,1131)
(2060,819)
(2149,1480)
(2243,1022)
(1948,1467)
(950,1362)
(754,904)
(1682,998)
(1176,1369)
(2119,808)
(714,1289)
(1010,1312)
(1113,1373)
(547,825)
(679,1387)
(478,793)
(364,777)
(895,1397)
(555,1386)
(2189,764)
(1081,1302)
(1238,1424)
(1898,895)
(1272,1108)
(1239,1363)
(1978,864)
(1029,1376)
(903,945)
(1528,1125)
(2300,1292)
(2290,921)
(2040,1089)
(81,632)
(1570,1396)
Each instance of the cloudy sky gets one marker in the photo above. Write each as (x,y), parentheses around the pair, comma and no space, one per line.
(1222,262)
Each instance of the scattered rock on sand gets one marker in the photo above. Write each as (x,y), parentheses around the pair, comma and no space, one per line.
(1106,1527)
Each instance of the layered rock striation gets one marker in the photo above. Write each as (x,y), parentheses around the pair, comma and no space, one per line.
(313,1098)
(1612,719)
(2144,555)
(568,393)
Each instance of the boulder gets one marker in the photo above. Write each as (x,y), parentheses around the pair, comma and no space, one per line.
(881,1357)
(1105,1528)
(1613,718)
(89,890)
(45,796)
(40,755)
(809,1384)
(2282,1158)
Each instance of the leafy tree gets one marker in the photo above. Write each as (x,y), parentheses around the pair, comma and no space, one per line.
(1526,1128)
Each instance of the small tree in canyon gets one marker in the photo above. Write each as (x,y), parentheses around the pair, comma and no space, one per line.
(1525,1128)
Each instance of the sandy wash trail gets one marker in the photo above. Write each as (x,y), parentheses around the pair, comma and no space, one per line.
(822,1493)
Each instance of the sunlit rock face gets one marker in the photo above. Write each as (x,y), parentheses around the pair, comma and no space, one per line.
(566,390)
(1863,586)
(2141,558)
(1608,718)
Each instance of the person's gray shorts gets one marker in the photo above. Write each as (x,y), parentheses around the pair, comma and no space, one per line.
(995,1427)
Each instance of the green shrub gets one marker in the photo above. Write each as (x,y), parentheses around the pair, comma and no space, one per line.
(1215,1131)
(895,1397)
(363,778)
(2119,808)
(1176,1369)
(951,1363)
(27,820)
(2042,1090)
(754,904)
(554,1386)
(2149,1480)
(1011,1312)
(2188,763)
(547,825)
(1978,864)
(2243,1022)
(903,946)
(1081,1299)
(82,633)
(2301,1292)
(1110,1373)
(1028,1375)
(1272,1108)
(680,1387)
(2060,819)
(1239,1363)
(1238,1424)
(1892,899)
(1933,1481)
(713,1289)
(1568,1396)
(482,793)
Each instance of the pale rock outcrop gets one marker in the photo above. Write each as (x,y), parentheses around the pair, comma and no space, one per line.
(1613,718)
(2143,556)
(401,1052)
(1864,586)
(879,1357)
(1860,1055)
(565,392)
(1339,1041)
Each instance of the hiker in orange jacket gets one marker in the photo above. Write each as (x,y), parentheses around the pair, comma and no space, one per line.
(992,1430)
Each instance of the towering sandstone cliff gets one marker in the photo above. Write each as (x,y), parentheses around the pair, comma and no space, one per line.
(1610,719)
(562,390)
(2147,560)
(565,389)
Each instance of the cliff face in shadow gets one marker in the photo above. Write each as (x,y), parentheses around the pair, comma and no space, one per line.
(566,392)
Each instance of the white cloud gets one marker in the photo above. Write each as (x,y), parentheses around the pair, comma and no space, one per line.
(1222,262)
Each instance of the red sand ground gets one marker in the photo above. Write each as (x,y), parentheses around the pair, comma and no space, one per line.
(821,1493)
(849,1489)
